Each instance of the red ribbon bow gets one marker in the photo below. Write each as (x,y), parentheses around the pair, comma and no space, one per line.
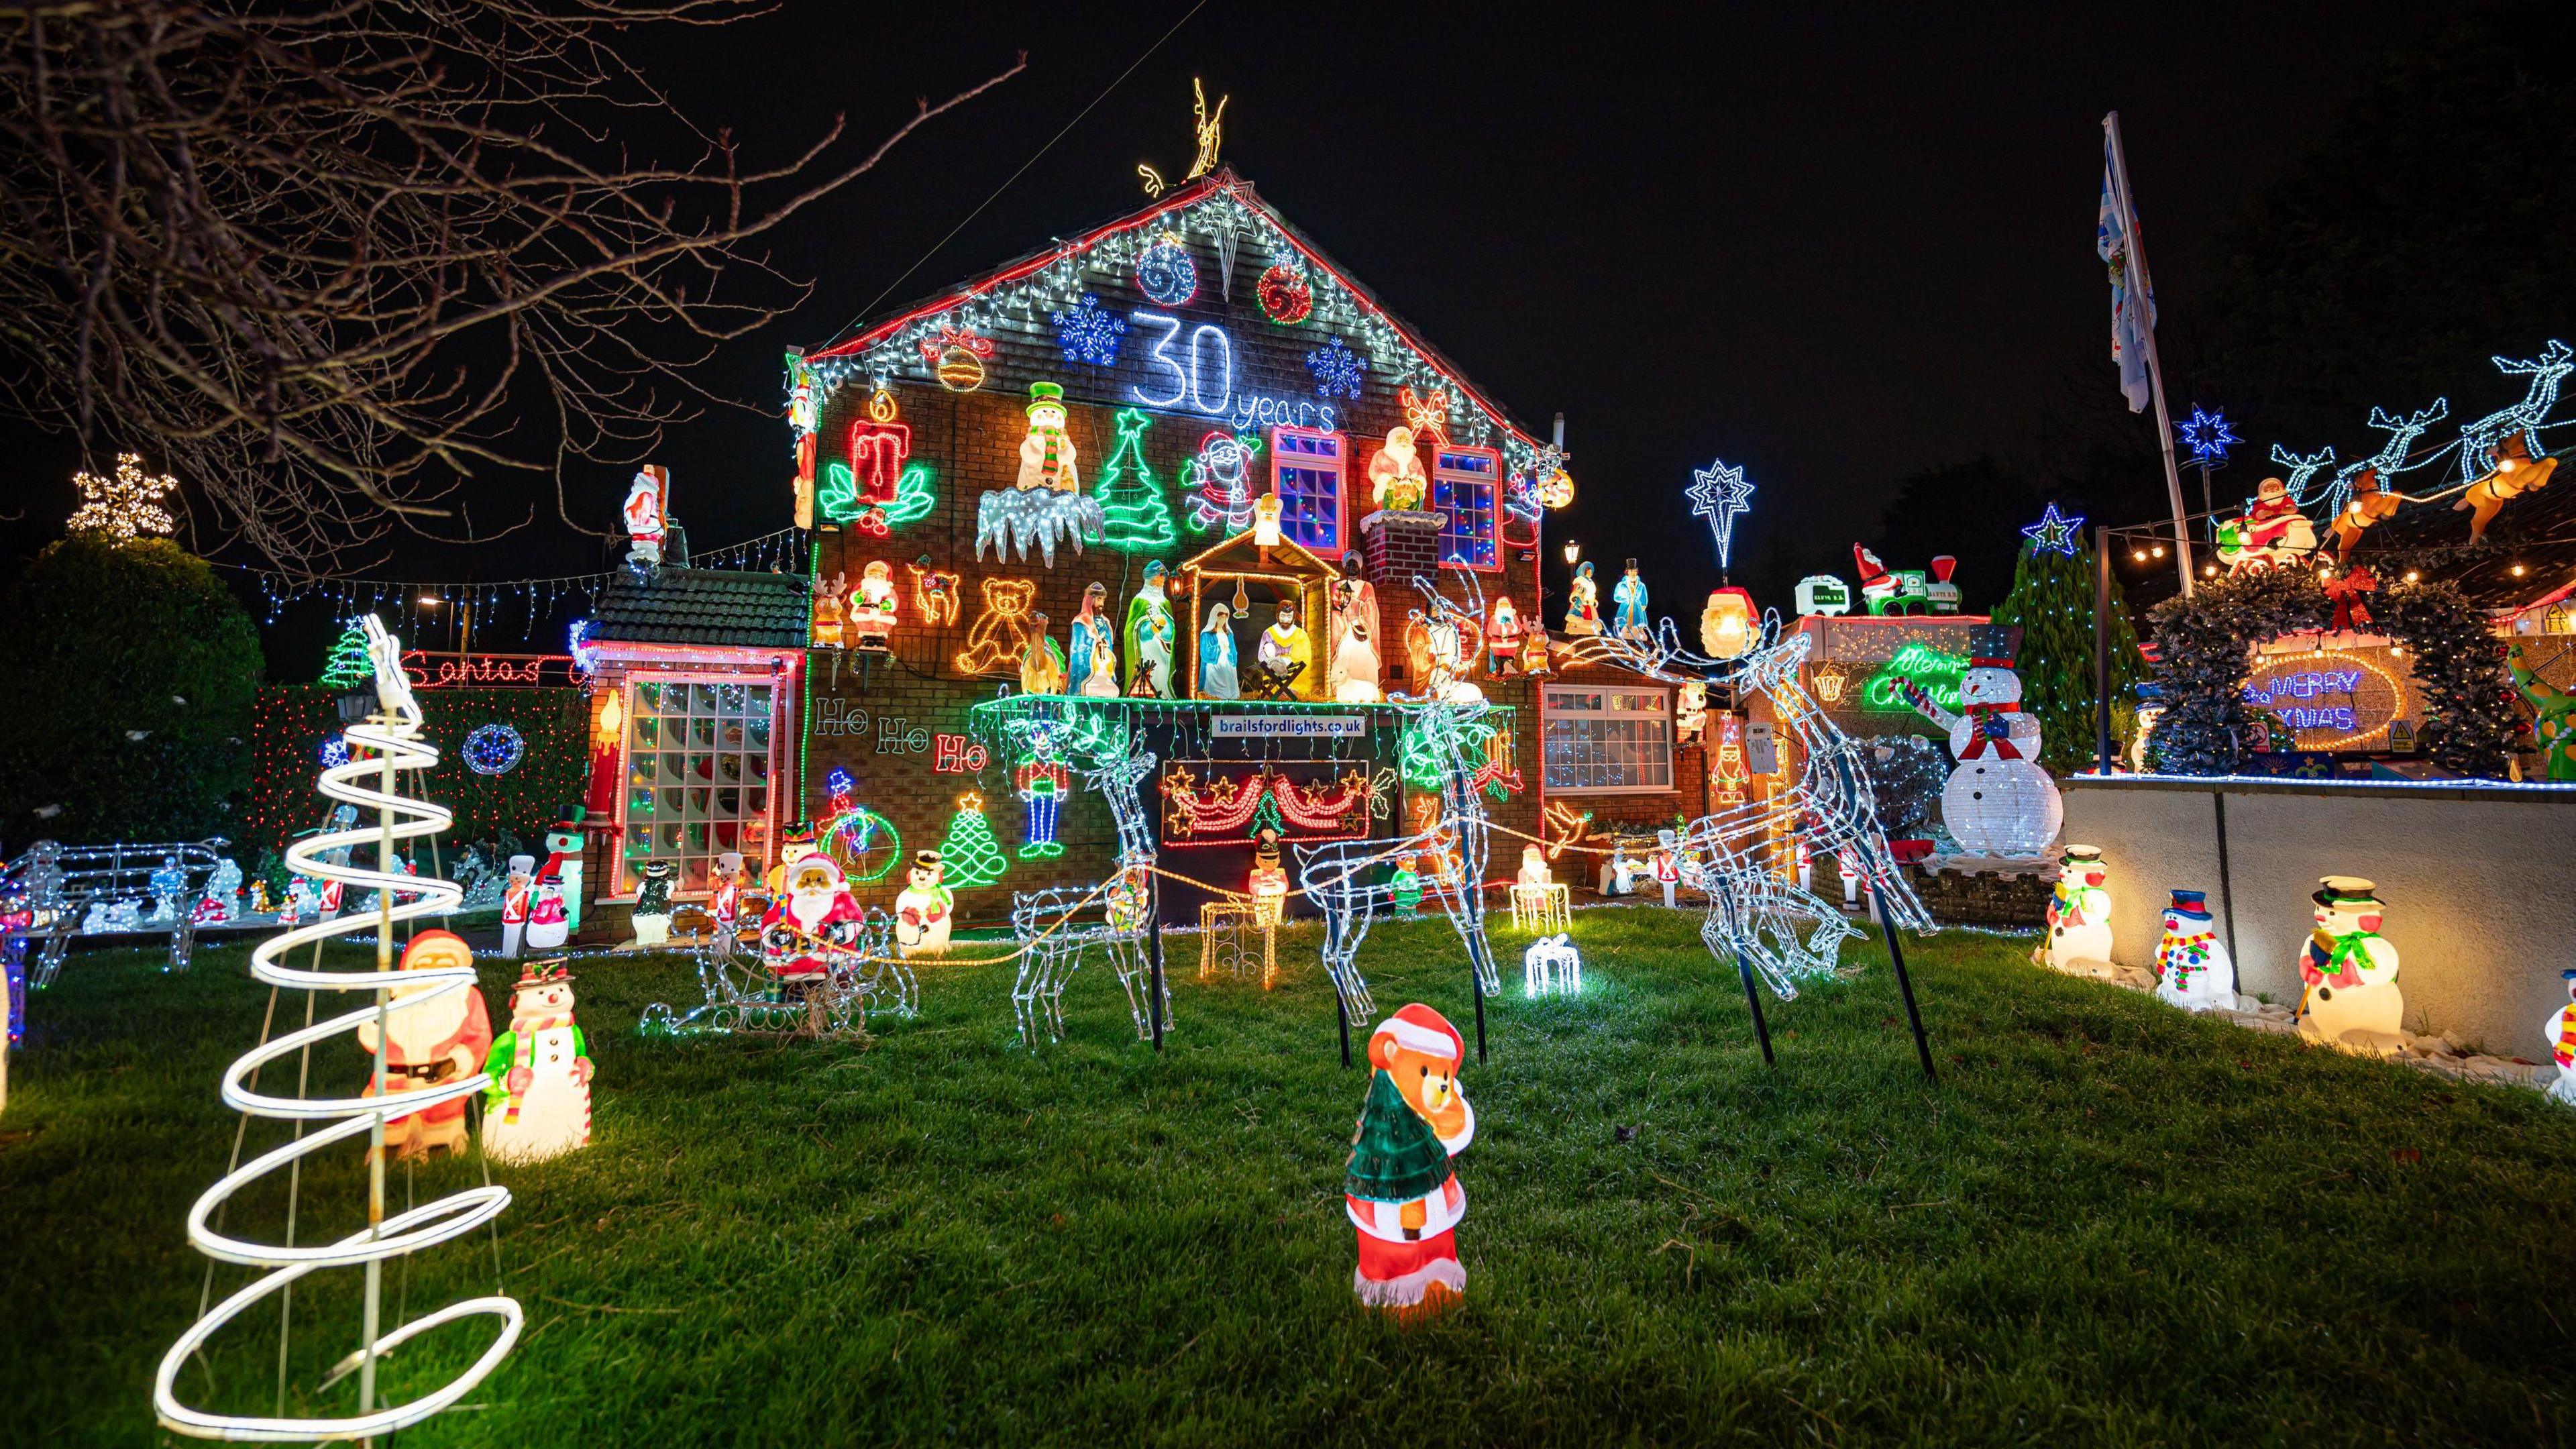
(2350,611)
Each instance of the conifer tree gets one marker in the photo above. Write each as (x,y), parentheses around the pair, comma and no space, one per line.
(1135,518)
(2052,602)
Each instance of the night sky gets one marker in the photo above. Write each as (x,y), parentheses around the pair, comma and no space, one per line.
(1836,247)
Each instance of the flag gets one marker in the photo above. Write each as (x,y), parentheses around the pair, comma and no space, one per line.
(2132,317)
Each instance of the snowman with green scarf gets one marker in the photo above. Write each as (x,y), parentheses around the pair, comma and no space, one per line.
(2349,969)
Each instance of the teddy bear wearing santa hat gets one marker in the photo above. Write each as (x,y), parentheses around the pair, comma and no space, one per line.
(1399,1191)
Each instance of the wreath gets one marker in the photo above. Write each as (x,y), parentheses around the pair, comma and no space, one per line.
(2204,656)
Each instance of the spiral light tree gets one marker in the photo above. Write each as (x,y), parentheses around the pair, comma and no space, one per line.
(385,744)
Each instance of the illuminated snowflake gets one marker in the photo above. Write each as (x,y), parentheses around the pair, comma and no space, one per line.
(1338,370)
(1087,334)
(494,749)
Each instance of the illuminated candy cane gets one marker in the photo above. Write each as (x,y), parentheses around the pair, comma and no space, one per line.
(391,733)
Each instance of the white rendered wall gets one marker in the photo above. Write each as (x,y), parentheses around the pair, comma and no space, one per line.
(2479,884)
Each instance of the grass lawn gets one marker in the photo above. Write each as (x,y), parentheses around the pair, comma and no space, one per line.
(2109,1223)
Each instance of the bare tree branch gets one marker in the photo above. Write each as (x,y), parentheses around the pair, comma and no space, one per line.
(327,258)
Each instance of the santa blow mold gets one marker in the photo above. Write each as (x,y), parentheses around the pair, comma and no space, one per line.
(1399,1191)
(438,1032)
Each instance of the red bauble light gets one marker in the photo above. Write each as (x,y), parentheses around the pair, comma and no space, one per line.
(1285,295)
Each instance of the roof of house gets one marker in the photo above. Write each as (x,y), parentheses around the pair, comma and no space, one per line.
(673,605)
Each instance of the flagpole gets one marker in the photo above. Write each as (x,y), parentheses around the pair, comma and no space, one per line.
(2142,295)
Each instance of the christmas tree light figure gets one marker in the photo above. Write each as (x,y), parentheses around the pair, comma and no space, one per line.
(971,853)
(347,668)
(1135,517)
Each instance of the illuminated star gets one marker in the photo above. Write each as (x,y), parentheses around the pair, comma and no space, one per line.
(2056,534)
(2207,435)
(1718,494)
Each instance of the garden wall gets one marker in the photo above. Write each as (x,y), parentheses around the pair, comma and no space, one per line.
(2477,879)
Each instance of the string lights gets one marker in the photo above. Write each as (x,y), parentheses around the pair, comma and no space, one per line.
(1719,494)
(126,506)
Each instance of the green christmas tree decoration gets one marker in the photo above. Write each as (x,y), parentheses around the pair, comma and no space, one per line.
(1266,814)
(1394,1155)
(971,853)
(348,667)
(1135,518)
(2052,602)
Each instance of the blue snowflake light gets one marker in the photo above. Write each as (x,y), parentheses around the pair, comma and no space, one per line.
(1165,273)
(493,749)
(1088,335)
(335,753)
(2208,436)
(2055,533)
(1719,493)
(1338,370)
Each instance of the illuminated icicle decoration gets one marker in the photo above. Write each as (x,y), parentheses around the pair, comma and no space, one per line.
(1010,519)
(393,735)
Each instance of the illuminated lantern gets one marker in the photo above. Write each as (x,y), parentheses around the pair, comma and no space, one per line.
(2193,969)
(2348,968)
(1830,681)
(2079,912)
(1399,1191)
(2560,1032)
(538,1105)
(437,1034)
(1286,297)
(1998,801)
(1551,967)
(1728,626)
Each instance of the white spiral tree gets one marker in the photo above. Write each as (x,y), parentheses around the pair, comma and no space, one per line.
(390,737)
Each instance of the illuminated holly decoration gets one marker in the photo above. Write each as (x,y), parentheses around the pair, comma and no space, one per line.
(127,506)
(1338,370)
(494,749)
(1088,335)
(2056,534)
(1165,273)
(1719,493)
(957,356)
(1285,295)
(2208,436)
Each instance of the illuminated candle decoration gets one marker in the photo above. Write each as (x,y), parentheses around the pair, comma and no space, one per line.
(1720,494)
(2079,911)
(1087,335)
(1399,1191)
(1286,297)
(2193,969)
(392,740)
(1165,273)
(128,505)
(1551,967)
(1338,371)
(2348,968)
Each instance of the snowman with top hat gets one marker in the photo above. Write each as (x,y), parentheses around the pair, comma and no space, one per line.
(2348,968)
(1999,801)
(2079,911)
(2193,969)
(2560,1031)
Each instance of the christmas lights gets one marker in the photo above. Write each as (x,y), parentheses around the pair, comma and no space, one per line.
(2208,436)
(392,737)
(1285,296)
(958,354)
(125,507)
(2055,533)
(1165,272)
(1551,967)
(1999,801)
(1720,494)
(2478,439)
(1464,492)
(1218,812)
(1339,372)
(971,854)
(492,749)
(1219,482)
(1134,517)
(1306,475)
(1042,782)
(1000,634)
(1087,335)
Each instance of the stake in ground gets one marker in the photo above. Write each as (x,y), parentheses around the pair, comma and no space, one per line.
(2109,1222)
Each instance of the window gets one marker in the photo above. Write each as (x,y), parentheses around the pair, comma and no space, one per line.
(1465,485)
(1603,741)
(1306,471)
(699,756)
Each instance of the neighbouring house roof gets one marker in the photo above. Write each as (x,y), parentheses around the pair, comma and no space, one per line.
(674,605)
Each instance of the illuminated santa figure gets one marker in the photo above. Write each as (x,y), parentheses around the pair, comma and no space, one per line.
(875,609)
(436,1032)
(1503,640)
(1728,625)
(812,919)
(1399,1191)
(1999,801)
(643,512)
(2193,969)
(2079,912)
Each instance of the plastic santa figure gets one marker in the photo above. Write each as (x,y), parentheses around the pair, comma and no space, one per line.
(2272,531)
(2560,1032)
(1534,871)
(1399,1191)
(2079,911)
(874,610)
(548,924)
(1728,624)
(1395,474)
(814,915)
(516,897)
(1047,457)
(644,516)
(538,1105)
(2349,968)
(925,909)
(439,1032)
(1503,640)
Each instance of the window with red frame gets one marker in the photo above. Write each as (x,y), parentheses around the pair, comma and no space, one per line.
(1307,469)
(1466,484)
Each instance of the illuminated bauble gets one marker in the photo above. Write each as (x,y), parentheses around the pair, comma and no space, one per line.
(1165,272)
(1285,296)
(494,749)
(2079,912)
(960,370)
(2193,970)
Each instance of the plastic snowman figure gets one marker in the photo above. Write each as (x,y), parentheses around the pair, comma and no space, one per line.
(2349,968)
(1999,801)
(2193,969)
(925,910)
(538,1105)
(2560,1031)
(2079,914)
(548,928)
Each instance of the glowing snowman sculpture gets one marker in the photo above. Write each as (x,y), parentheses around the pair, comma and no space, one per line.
(2349,969)
(2193,969)
(2079,913)
(1999,801)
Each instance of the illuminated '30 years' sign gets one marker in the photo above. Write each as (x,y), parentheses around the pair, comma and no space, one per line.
(1206,383)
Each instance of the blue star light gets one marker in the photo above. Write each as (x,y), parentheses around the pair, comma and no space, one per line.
(2056,534)
(1718,493)
(2207,435)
